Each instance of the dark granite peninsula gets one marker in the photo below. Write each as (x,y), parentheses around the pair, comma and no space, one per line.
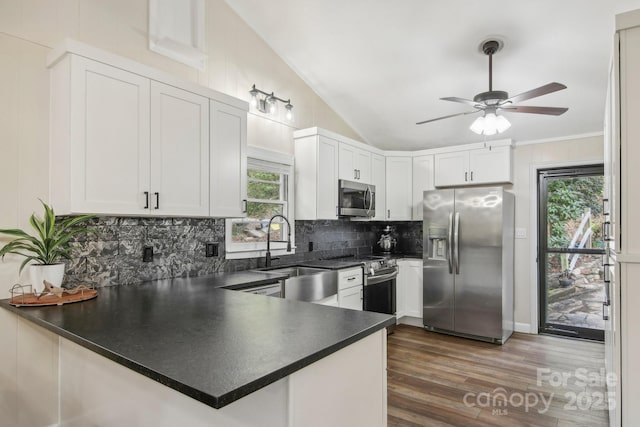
(222,348)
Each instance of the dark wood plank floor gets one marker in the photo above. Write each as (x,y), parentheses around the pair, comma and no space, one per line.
(440,380)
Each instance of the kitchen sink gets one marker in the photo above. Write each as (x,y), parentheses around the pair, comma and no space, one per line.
(307,283)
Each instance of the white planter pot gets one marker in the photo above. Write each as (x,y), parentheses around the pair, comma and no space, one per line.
(52,273)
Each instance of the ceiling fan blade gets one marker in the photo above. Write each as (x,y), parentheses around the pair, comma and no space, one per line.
(460,100)
(552,111)
(446,117)
(533,93)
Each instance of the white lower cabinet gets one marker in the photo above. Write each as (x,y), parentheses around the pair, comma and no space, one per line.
(409,290)
(350,288)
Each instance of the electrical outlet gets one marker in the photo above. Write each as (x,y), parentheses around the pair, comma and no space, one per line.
(211,250)
(310,246)
(521,233)
(147,254)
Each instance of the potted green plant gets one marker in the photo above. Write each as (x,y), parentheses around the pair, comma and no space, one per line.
(45,249)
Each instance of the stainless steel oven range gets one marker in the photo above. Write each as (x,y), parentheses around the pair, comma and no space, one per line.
(380,284)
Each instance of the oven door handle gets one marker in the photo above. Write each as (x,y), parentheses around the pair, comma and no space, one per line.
(372,280)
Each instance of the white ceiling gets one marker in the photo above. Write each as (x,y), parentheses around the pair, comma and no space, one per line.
(382,65)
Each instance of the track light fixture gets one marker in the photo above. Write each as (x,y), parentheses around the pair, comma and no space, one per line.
(266,102)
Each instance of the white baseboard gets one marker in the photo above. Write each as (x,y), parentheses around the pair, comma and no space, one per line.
(522,327)
(412,321)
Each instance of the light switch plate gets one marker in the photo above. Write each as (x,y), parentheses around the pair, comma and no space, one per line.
(521,233)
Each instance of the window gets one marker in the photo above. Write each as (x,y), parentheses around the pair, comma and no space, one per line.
(269,192)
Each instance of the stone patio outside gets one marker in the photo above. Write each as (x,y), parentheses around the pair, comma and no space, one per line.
(579,304)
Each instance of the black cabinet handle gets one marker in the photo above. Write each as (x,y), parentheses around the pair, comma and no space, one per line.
(465,176)
(471,175)
(244,206)
(146,200)
(157,200)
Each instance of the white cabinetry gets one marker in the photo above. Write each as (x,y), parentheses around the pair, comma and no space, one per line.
(316,177)
(100,143)
(179,152)
(228,161)
(622,154)
(399,188)
(350,282)
(422,181)
(127,139)
(355,163)
(489,165)
(378,178)
(409,291)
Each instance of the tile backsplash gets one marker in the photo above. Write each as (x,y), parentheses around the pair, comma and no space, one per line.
(112,255)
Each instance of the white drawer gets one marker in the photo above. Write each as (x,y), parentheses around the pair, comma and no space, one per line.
(349,277)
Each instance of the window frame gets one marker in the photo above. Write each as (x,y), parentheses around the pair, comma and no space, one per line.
(274,161)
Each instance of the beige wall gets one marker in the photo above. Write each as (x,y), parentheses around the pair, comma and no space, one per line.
(527,159)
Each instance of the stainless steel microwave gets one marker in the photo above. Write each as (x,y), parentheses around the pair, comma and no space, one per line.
(356,199)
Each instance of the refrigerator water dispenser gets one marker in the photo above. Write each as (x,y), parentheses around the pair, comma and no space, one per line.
(437,244)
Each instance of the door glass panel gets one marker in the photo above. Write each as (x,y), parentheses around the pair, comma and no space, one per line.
(571,249)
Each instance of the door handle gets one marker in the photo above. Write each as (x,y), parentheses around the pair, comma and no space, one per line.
(450,243)
(456,234)
(157,200)
(146,200)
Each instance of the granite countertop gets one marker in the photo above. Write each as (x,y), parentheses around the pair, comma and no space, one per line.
(214,345)
(332,264)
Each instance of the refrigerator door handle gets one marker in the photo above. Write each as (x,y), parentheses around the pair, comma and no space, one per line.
(450,243)
(456,238)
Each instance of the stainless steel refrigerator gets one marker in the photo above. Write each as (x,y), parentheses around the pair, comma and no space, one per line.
(468,262)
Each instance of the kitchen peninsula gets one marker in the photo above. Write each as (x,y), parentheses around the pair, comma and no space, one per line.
(137,352)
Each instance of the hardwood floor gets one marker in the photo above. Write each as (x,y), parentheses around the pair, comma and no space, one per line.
(532,380)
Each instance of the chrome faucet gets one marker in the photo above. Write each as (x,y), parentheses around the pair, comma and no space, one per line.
(267,261)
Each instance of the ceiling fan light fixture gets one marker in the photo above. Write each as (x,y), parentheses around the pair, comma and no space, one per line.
(478,125)
(502,124)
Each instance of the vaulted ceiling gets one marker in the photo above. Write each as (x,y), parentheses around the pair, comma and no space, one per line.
(383,65)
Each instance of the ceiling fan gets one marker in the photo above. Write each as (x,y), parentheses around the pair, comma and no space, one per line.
(492,101)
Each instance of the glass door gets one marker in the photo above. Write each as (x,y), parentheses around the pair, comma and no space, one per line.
(571,249)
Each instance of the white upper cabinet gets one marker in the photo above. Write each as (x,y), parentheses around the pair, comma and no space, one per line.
(422,181)
(355,163)
(316,177)
(399,188)
(378,178)
(127,139)
(100,139)
(491,165)
(228,161)
(179,152)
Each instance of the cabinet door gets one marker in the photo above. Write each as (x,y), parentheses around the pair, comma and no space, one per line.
(228,161)
(363,166)
(451,169)
(413,291)
(378,178)
(490,165)
(327,179)
(347,159)
(351,298)
(399,188)
(179,152)
(109,135)
(422,181)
